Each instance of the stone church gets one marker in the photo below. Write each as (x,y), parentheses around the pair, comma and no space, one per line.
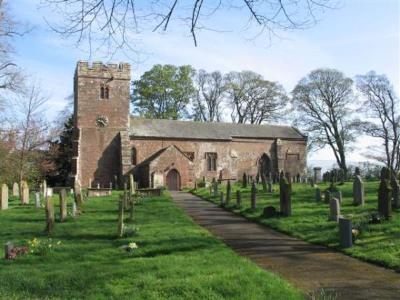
(110,144)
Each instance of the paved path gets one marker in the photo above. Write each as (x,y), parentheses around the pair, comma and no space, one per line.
(308,267)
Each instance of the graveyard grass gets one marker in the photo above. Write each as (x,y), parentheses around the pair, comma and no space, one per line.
(175,258)
(377,243)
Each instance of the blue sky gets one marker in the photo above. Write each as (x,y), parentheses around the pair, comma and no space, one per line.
(359,36)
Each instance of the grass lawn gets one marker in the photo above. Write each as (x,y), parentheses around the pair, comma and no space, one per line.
(176,259)
(378,243)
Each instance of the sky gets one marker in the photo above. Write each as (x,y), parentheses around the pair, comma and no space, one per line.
(356,37)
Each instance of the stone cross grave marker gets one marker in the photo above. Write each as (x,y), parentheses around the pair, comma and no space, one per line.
(334,210)
(63,205)
(4,197)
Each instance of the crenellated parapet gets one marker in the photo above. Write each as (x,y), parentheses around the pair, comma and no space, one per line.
(99,70)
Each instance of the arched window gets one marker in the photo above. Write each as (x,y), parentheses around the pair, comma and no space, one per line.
(104,92)
(211,158)
(133,156)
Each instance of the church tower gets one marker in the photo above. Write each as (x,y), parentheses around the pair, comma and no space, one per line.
(101,121)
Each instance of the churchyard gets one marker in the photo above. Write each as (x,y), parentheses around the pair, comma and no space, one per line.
(161,254)
(315,220)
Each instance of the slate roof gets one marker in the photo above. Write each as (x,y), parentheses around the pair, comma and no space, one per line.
(156,128)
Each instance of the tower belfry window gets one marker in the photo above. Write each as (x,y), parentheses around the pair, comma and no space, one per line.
(104,92)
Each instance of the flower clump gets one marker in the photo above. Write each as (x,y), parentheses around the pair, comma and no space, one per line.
(42,247)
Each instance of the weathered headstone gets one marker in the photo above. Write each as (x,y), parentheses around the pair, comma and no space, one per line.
(269,212)
(121,218)
(8,248)
(63,205)
(228,192)
(37,200)
(253,196)
(49,215)
(318,194)
(327,196)
(222,199)
(15,190)
(4,197)
(44,187)
(49,192)
(345,233)
(358,189)
(385,194)
(334,210)
(317,175)
(25,193)
(238,198)
(244,180)
(74,209)
(285,196)
(132,185)
(77,195)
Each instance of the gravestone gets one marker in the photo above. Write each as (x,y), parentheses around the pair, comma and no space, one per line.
(244,180)
(132,184)
(74,209)
(63,205)
(269,212)
(49,215)
(334,210)
(345,233)
(228,192)
(8,248)
(15,190)
(44,187)
(385,194)
(395,190)
(312,182)
(285,196)
(221,199)
(327,196)
(77,194)
(215,188)
(116,182)
(253,197)
(121,218)
(49,192)
(317,175)
(358,189)
(318,194)
(37,200)
(4,197)
(238,198)
(25,192)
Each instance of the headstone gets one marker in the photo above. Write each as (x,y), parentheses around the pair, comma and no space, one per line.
(215,188)
(121,218)
(269,212)
(8,248)
(318,194)
(15,189)
(98,185)
(285,196)
(111,185)
(63,205)
(25,192)
(327,196)
(238,198)
(385,194)
(49,215)
(228,192)
(4,197)
(74,209)
(221,199)
(116,182)
(317,175)
(49,192)
(131,184)
(395,190)
(298,178)
(253,197)
(358,189)
(77,194)
(44,188)
(345,233)
(334,209)
(312,183)
(244,181)
(37,200)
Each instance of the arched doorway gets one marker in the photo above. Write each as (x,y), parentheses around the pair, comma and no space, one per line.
(173,180)
(264,166)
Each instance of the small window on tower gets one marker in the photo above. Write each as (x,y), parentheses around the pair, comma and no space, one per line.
(104,92)
(133,156)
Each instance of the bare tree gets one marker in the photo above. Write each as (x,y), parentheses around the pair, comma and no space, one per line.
(10,75)
(114,22)
(322,108)
(209,97)
(382,106)
(253,99)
